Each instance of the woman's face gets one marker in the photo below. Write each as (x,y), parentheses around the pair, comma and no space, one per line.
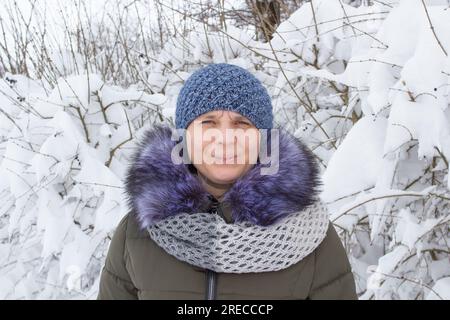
(222,145)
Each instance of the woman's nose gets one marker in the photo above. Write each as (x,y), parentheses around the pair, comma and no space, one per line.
(228,135)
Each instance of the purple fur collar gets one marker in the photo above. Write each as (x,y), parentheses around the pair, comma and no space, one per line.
(157,188)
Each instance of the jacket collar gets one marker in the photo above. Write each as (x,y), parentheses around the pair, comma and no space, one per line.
(156,188)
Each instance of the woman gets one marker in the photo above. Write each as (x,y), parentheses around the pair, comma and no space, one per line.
(219,227)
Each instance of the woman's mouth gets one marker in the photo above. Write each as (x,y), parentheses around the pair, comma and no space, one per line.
(230,159)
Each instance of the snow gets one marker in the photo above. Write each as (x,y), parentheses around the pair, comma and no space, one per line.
(358,159)
(440,290)
(411,230)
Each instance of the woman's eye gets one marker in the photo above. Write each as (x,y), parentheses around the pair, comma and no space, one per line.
(244,123)
(207,122)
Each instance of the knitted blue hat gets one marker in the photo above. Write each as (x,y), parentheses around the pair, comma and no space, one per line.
(223,86)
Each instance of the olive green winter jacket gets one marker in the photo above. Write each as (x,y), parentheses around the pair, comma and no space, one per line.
(137,268)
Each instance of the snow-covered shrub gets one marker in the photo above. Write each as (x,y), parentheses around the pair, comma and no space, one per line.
(64,155)
(382,73)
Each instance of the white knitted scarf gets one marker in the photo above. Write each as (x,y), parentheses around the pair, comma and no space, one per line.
(207,241)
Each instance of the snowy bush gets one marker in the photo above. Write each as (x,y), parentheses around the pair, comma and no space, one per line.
(374,86)
(63,159)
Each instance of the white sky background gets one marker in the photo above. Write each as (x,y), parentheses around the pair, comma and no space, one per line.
(48,12)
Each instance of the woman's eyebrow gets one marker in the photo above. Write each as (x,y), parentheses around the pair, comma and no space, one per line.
(210,116)
(240,118)
(213,116)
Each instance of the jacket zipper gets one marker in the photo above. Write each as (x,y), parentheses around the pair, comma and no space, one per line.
(211,282)
(211,275)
